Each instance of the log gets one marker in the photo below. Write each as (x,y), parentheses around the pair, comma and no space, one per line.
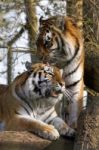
(11,140)
(88,127)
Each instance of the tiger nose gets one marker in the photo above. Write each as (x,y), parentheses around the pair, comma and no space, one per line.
(58,89)
(62,85)
(48,38)
(48,43)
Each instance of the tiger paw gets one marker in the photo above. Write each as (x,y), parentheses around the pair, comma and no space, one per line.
(49,132)
(67,131)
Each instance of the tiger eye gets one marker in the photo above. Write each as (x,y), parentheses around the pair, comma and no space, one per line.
(53,34)
(61,84)
(47,31)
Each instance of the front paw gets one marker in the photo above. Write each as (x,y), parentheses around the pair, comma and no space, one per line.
(65,130)
(49,132)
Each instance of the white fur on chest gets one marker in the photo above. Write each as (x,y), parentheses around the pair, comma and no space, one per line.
(42,108)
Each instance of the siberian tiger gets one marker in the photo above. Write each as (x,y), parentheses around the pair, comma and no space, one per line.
(29,102)
(60,43)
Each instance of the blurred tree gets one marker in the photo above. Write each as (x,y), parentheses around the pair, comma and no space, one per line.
(9,65)
(75,9)
(11,29)
(32,25)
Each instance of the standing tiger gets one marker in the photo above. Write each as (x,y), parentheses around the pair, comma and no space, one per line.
(60,43)
(29,102)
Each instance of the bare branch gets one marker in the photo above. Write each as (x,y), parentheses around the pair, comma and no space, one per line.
(17,36)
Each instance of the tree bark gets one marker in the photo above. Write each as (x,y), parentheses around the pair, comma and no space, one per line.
(88,127)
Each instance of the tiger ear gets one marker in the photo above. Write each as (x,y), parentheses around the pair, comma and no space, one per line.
(61,23)
(28,65)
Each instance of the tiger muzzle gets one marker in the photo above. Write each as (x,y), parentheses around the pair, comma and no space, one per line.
(52,93)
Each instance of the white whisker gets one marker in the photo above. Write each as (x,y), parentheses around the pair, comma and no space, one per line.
(68,94)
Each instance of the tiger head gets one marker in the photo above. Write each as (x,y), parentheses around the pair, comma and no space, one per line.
(46,79)
(40,80)
(57,40)
(51,40)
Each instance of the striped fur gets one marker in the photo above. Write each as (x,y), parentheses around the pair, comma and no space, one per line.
(60,43)
(29,102)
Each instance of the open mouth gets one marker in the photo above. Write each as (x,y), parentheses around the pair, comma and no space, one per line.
(54,94)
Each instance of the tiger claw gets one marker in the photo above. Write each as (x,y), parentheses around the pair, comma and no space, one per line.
(71,133)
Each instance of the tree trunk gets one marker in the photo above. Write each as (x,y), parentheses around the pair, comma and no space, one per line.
(32,26)
(91,35)
(92,69)
(88,127)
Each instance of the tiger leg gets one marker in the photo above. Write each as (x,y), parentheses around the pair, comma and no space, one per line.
(72,114)
(62,127)
(29,124)
(75,107)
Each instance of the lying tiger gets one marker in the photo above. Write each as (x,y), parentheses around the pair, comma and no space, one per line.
(29,102)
